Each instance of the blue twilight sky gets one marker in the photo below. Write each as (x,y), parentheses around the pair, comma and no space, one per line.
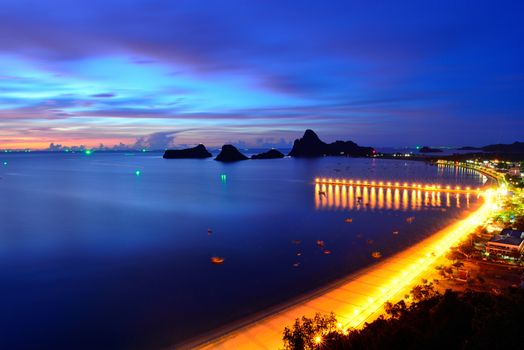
(257,73)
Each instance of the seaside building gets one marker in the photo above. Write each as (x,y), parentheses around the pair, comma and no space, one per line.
(514,171)
(508,243)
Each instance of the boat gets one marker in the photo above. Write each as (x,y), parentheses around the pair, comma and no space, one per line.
(376,255)
(327,252)
(395,232)
(320,243)
(348,220)
(217,260)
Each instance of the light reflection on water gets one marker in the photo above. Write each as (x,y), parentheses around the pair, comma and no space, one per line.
(353,197)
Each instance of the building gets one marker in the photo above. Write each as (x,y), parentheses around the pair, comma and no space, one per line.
(508,243)
(514,171)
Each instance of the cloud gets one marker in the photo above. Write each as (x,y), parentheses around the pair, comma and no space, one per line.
(158,140)
(104,95)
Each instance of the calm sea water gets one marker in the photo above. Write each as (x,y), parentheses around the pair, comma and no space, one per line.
(93,256)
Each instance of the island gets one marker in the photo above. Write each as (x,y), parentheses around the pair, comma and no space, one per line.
(230,153)
(271,154)
(198,152)
(427,149)
(310,145)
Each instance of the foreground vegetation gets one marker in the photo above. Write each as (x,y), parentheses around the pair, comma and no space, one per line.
(427,320)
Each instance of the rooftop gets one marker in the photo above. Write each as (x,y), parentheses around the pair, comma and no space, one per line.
(509,237)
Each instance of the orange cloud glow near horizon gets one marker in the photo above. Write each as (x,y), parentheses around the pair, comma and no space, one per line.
(42,144)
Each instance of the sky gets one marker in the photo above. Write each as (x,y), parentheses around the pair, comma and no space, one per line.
(167,73)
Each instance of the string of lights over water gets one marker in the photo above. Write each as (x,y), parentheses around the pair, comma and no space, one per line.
(377,198)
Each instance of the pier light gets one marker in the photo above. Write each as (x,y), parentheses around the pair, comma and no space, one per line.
(343,181)
(358,182)
(405,184)
(324,179)
(467,188)
(457,188)
(365,182)
(350,181)
(373,183)
(448,187)
(317,180)
(381,183)
(389,183)
(419,186)
(337,181)
(396,184)
(330,180)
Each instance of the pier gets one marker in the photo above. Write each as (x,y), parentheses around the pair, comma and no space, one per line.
(397,184)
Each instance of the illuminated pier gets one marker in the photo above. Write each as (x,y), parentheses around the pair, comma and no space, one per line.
(397,184)
(370,198)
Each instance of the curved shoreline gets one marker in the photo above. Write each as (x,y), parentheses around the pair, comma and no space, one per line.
(354,298)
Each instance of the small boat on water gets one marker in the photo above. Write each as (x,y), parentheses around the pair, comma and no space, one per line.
(376,255)
(327,252)
(209,231)
(217,260)
(297,264)
(410,219)
(321,243)
(395,232)
(296,241)
(348,220)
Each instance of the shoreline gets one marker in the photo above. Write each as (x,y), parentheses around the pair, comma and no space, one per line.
(353,298)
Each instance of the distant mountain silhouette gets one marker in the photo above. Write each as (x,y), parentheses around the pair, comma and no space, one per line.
(199,151)
(515,147)
(271,154)
(310,145)
(468,148)
(427,149)
(230,153)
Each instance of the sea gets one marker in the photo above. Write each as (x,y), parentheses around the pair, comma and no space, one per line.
(113,250)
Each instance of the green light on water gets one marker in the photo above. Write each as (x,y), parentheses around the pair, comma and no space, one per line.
(223,178)
(88,152)
(138,172)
